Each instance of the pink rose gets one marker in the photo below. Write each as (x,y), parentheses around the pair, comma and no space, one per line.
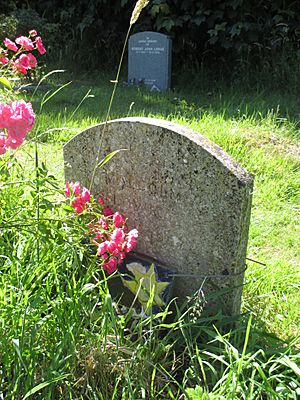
(25,42)
(33,33)
(18,119)
(4,60)
(17,66)
(22,117)
(5,114)
(39,45)
(118,219)
(23,60)
(14,143)
(10,45)
(32,62)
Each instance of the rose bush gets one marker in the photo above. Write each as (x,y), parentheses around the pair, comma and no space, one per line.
(17,117)
(106,229)
(16,55)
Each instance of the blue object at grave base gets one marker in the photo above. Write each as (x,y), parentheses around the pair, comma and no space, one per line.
(163,275)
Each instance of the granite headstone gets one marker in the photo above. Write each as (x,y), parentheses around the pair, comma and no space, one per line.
(187,197)
(149,60)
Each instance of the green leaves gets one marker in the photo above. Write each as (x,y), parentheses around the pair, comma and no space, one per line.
(43,385)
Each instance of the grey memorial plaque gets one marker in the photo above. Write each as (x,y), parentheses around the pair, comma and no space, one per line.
(149,60)
(189,200)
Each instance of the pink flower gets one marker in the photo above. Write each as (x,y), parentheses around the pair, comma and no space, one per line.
(131,240)
(104,256)
(17,66)
(10,45)
(102,248)
(23,60)
(22,118)
(5,114)
(78,205)
(101,200)
(32,62)
(110,266)
(129,246)
(25,42)
(134,233)
(4,60)
(2,143)
(107,212)
(39,45)
(18,119)
(112,246)
(117,236)
(14,143)
(116,252)
(98,236)
(85,196)
(103,223)
(75,187)
(33,33)
(118,219)
(67,189)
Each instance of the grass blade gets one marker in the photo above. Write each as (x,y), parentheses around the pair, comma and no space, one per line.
(108,157)
(43,385)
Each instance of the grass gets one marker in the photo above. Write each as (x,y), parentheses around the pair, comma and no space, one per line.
(62,336)
(253,129)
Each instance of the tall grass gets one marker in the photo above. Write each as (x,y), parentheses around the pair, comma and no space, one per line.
(62,336)
(260,130)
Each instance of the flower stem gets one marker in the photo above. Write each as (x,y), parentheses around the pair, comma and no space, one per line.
(37,188)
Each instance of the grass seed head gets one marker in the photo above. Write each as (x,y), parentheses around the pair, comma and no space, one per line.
(140,4)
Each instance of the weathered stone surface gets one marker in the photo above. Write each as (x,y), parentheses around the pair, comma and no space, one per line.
(149,60)
(189,199)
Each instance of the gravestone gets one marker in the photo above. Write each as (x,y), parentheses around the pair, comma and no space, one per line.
(189,200)
(149,60)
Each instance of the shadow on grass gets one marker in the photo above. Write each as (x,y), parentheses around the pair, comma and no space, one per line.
(186,101)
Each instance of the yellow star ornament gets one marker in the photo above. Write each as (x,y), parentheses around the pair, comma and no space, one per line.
(145,286)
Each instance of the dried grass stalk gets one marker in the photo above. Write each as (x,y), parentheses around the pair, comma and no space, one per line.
(140,4)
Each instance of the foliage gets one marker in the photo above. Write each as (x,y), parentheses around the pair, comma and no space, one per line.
(234,33)
(21,20)
(62,334)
